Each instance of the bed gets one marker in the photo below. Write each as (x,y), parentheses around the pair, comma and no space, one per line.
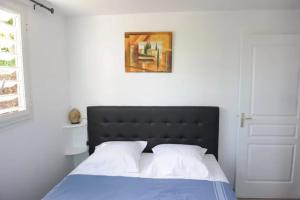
(156,125)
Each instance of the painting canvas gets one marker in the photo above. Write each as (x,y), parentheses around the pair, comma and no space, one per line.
(148,52)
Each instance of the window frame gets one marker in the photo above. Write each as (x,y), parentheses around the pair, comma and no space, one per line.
(15,117)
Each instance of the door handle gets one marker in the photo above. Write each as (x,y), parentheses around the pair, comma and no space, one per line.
(243,119)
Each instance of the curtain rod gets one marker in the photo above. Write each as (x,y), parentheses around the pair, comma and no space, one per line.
(42,5)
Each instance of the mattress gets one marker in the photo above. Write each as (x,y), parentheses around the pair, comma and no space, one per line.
(86,182)
(214,169)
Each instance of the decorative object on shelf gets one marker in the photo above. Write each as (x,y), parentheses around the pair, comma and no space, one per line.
(74,116)
(148,51)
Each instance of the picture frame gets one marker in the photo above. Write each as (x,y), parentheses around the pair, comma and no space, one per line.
(148,52)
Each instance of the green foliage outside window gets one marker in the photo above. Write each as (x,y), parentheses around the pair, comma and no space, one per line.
(8,63)
(12,36)
(4,49)
(10,22)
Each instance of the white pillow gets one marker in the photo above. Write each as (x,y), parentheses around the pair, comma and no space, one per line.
(118,156)
(181,149)
(176,160)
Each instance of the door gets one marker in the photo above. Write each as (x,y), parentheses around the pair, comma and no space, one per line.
(268,143)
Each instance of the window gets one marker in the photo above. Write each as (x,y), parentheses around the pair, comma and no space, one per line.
(12,87)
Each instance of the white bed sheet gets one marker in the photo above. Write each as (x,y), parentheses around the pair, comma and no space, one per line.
(89,167)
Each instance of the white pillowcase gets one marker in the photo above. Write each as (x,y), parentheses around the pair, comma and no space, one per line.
(118,156)
(177,160)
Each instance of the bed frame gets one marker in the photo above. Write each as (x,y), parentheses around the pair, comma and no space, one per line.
(195,125)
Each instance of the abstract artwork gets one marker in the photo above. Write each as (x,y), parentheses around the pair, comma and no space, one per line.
(148,52)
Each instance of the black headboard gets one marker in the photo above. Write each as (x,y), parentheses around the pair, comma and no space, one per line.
(157,125)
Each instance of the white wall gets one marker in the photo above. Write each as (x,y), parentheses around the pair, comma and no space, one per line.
(31,152)
(206,62)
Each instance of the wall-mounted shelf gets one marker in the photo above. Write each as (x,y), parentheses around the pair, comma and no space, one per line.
(81,124)
(75,150)
(76,146)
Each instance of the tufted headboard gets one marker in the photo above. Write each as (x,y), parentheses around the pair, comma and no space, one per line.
(158,125)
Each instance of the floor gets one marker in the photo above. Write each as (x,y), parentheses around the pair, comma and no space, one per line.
(266,199)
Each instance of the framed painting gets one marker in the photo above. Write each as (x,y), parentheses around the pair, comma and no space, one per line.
(148,51)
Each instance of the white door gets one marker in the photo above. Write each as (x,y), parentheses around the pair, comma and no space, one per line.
(268,162)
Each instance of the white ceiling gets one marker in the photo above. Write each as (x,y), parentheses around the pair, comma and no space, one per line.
(98,7)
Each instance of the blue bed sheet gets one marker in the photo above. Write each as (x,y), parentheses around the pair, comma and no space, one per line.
(90,187)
